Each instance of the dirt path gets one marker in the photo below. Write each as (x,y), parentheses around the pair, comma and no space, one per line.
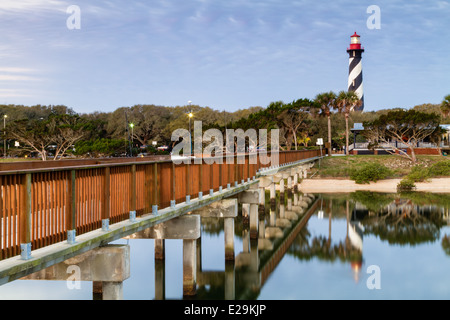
(437,185)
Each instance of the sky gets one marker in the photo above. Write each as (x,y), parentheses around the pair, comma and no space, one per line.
(225,54)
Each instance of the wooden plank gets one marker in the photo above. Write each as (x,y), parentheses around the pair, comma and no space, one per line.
(165,184)
(106,194)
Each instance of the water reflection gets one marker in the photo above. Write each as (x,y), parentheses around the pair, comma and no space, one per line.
(401,220)
(298,236)
(408,219)
(348,249)
(255,261)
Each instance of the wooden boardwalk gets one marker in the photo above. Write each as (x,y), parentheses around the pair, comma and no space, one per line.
(43,206)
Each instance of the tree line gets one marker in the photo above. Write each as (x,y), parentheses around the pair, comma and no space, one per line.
(52,132)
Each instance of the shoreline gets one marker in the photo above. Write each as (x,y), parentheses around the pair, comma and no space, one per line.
(435,185)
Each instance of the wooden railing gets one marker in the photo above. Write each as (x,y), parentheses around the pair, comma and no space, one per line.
(40,206)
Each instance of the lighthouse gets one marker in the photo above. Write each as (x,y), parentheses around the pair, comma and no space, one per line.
(355,77)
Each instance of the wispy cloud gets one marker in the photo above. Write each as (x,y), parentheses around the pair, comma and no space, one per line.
(19,83)
(13,93)
(18,74)
(17,70)
(17,78)
(13,6)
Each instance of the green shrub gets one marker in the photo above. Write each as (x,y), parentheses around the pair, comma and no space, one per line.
(418,174)
(100,147)
(368,172)
(405,185)
(441,168)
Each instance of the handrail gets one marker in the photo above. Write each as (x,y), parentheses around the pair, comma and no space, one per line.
(46,166)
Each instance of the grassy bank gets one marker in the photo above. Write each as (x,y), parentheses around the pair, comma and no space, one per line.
(397,167)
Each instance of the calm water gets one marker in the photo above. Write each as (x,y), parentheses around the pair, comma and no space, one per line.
(354,246)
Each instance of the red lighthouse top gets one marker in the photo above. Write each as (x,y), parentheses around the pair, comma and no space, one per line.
(355,43)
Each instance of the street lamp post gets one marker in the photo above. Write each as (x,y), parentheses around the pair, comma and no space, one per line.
(190,115)
(4,135)
(132,138)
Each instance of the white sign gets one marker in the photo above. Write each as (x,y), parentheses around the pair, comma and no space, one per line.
(319,142)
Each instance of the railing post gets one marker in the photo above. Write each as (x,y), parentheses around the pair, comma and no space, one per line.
(106,200)
(220,175)
(172,181)
(71,208)
(188,182)
(236,171)
(133,193)
(248,168)
(147,187)
(155,189)
(241,171)
(200,181)
(228,174)
(211,179)
(25,218)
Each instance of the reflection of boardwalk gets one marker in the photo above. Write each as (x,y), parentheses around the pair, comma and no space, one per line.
(280,249)
(108,267)
(253,266)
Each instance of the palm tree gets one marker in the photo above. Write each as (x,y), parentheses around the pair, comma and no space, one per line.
(445,106)
(327,102)
(347,101)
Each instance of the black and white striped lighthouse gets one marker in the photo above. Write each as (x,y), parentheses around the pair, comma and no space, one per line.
(355,77)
